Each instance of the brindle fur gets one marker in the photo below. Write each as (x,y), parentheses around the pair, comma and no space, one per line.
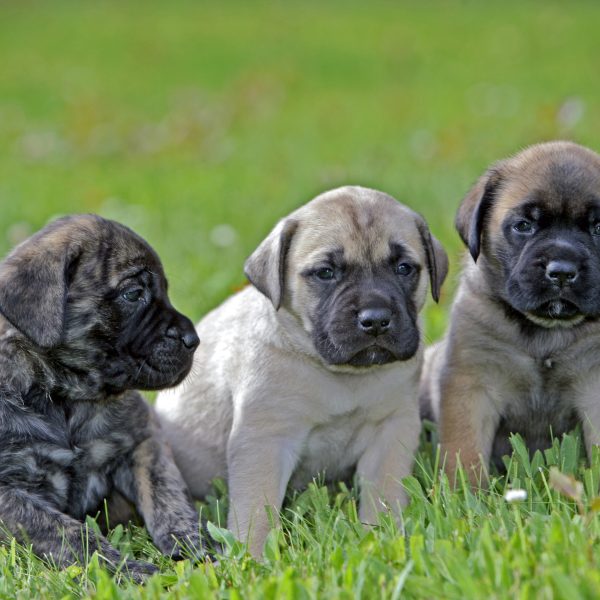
(521,355)
(73,430)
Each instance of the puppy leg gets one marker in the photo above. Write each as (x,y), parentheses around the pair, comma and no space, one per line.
(429,395)
(588,407)
(468,423)
(118,510)
(59,536)
(260,468)
(591,432)
(386,461)
(151,480)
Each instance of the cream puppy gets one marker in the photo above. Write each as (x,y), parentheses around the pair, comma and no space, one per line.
(315,367)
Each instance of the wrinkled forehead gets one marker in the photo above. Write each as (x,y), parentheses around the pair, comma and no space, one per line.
(133,254)
(561,185)
(365,231)
(118,253)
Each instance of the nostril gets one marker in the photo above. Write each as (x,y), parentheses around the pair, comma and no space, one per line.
(190,339)
(374,321)
(561,272)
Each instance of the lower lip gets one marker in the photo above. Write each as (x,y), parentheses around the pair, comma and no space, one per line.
(557,309)
(373,355)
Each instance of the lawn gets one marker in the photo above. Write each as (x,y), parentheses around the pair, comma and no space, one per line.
(199,124)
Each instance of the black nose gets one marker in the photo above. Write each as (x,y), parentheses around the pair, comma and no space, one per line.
(189,337)
(561,272)
(375,321)
(190,340)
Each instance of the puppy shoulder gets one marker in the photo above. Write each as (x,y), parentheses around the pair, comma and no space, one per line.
(482,344)
(237,332)
(17,368)
(429,387)
(231,339)
(130,411)
(246,310)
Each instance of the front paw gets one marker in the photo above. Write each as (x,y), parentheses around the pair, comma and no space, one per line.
(138,570)
(179,544)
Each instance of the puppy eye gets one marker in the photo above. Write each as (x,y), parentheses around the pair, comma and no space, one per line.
(523,227)
(403,269)
(325,274)
(133,295)
(596,229)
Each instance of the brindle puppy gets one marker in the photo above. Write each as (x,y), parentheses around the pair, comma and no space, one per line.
(521,354)
(85,319)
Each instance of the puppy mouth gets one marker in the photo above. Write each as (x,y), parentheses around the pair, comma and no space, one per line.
(356,351)
(556,313)
(371,356)
(156,375)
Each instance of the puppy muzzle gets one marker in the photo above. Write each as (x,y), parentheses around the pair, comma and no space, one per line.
(170,355)
(554,289)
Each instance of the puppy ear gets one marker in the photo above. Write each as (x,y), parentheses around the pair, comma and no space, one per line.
(33,287)
(437,259)
(471,215)
(266,266)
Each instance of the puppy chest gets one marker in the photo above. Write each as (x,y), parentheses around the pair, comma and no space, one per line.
(333,448)
(539,406)
(63,476)
(91,479)
(69,462)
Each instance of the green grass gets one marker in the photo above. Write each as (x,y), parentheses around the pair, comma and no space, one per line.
(178,118)
(451,544)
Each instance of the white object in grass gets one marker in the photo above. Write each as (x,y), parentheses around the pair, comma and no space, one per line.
(515,495)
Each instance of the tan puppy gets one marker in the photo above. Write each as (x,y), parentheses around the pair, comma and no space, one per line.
(521,354)
(315,368)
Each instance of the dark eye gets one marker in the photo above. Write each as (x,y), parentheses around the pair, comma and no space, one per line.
(523,227)
(596,229)
(133,295)
(403,269)
(325,274)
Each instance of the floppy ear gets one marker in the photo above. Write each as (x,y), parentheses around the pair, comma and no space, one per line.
(266,266)
(437,259)
(471,215)
(33,288)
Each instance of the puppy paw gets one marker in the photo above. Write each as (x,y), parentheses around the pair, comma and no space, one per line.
(181,544)
(138,570)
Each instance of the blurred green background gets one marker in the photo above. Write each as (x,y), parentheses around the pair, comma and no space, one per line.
(200,124)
